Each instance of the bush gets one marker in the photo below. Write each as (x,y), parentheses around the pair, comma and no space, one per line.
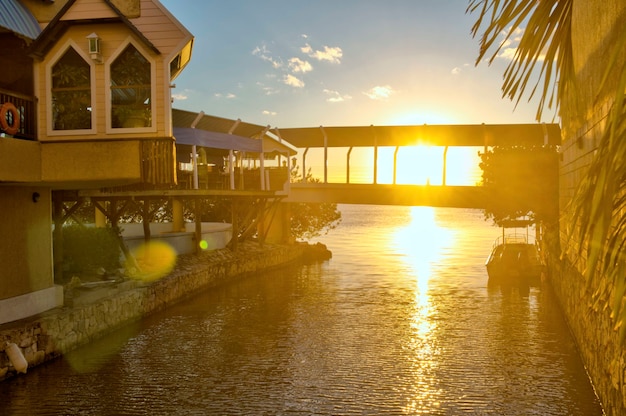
(524,182)
(87,249)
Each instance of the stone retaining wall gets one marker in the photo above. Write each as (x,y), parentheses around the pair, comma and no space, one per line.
(589,318)
(89,316)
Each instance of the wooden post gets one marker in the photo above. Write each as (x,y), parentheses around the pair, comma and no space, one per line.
(235,224)
(58,237)
(198,231)
(177,215)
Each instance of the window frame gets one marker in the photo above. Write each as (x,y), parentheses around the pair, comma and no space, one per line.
(49,85)
(108,96)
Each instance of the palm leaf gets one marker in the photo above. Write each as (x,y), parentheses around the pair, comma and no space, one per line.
(546,39)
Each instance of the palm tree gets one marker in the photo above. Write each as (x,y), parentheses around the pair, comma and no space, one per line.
(543,64)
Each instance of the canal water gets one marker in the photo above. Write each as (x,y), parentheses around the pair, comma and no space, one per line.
(401,321)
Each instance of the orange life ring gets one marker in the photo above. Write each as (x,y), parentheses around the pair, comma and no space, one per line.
(15,115)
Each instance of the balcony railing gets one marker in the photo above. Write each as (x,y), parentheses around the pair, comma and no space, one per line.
(210,177)
(26,108)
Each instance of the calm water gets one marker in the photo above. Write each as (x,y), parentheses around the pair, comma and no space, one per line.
(400,321)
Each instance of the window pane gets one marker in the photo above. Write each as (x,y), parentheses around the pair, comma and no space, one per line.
(71,93)
(131,90)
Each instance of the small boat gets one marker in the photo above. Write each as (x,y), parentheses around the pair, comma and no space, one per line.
(514,257)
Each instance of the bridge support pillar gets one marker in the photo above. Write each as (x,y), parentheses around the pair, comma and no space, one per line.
(279,231)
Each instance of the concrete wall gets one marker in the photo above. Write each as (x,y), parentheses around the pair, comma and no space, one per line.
(595,24)
(26,256)
(94,314)
(214,234)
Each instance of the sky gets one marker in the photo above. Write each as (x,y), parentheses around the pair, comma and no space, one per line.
(297,63)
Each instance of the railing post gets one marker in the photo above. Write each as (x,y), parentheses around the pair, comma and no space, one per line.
(395,164)
(262,161)
(375,156)
(325,154)
(445,162)
(348,165)
(304,164)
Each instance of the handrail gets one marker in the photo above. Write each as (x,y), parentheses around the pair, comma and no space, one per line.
(25,105)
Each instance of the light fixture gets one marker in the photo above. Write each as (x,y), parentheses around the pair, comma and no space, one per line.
(94,47)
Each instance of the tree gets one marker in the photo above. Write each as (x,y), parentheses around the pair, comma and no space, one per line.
(309,220)
(523,181)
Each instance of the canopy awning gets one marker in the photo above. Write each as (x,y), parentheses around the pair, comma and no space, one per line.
(18,19)
(216,140)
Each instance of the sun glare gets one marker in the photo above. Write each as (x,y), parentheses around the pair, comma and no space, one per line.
(424,165)
(422,242)
(415,165)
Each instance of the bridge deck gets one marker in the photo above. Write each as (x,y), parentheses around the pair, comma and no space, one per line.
(383,194)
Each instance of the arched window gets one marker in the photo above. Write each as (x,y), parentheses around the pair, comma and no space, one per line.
(131,104)
(71,93)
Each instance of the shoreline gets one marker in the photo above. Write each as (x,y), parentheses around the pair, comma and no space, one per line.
(92,311)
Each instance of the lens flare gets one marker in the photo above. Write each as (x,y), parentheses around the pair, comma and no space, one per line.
(155,260)
(204,244)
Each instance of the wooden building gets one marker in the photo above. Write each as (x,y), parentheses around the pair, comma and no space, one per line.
(85,95)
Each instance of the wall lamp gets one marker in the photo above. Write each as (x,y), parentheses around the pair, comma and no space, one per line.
(94,47)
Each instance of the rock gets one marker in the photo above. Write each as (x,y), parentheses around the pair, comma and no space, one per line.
(314,253)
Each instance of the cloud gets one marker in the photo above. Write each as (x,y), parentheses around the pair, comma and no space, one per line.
(509,45)
(269,113)
(228,96)
(293,81)
(458,69)
(335,96)
(180,96)
(298,65)
(380,92)
(331,54)
(267,90)
(264,53)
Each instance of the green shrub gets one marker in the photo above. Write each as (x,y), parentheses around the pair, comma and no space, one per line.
(87,249)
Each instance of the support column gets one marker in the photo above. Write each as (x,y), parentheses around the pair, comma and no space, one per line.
(279,231)
(101,219)
(178,223)
(57,237)
(198,219)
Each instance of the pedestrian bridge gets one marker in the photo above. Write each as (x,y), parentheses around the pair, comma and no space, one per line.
(388,194)
(346,138)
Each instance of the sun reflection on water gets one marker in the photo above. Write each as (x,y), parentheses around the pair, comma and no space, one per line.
(422,245)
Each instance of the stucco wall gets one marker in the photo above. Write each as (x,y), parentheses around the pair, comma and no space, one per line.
(85,162)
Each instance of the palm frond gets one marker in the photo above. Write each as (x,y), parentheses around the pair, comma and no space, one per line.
(546,38)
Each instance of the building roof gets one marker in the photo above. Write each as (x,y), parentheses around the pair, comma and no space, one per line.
(57,26)
(216,140)
(15,17)
(183,118)
(214,132)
